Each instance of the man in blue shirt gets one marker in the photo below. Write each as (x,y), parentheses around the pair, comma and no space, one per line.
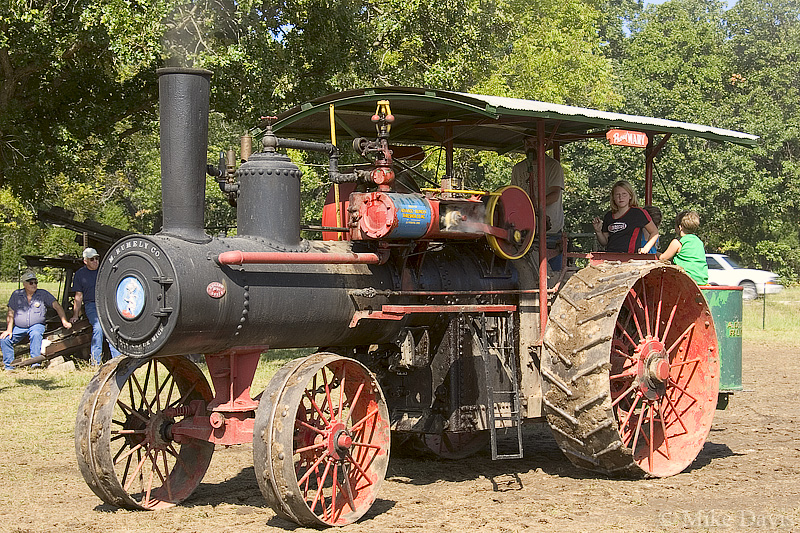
(27,308)
(83,284)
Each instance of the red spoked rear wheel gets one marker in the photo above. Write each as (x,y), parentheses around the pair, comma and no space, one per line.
(661,373)
(632,369)
(321,441)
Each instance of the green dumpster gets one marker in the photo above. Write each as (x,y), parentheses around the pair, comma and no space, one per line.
(726,309)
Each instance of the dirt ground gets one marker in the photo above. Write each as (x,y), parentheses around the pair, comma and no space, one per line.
(745,478)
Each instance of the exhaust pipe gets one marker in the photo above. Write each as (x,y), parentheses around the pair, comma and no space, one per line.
(183,96)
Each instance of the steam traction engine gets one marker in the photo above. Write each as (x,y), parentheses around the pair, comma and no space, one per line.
(427,323)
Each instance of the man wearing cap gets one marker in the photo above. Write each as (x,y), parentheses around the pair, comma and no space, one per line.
(27,308)
(83,284)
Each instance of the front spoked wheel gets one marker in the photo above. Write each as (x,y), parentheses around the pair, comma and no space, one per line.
(321,441)
(122,432)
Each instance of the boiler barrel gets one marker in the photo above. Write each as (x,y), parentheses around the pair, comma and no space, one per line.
(161,295)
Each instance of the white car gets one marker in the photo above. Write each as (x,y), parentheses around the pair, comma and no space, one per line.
(722,270)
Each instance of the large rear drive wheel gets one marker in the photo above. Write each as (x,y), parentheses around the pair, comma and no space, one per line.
(631,369)
(321,441)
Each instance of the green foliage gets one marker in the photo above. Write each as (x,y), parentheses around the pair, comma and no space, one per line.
(691,61)
(78,95)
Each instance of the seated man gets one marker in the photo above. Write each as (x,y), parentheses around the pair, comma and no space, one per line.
(27,308)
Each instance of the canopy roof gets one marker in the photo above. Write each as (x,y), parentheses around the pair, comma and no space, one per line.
(482,122)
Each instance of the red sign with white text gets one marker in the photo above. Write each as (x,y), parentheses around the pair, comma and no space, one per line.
(637,139)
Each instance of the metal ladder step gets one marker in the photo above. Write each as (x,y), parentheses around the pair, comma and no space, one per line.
(501,350)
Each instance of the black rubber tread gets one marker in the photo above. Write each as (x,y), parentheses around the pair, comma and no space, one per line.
(576,364)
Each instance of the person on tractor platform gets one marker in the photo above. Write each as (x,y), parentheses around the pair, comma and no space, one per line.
(526,172)
(27,308)
(687,250)
(621,228)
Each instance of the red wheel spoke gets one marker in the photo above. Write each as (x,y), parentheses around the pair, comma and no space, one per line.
(367,445)
(123,432)
(630,413)
(660,304)
(624,375)
(171,380)
(627,322)
(638,428)
(664,429)
(127,468)
(319,489)
(146,384)
(690,361)
(683,336)
(372,412)
(360,470)
(138,469)
(146,499)
(185,396)
(677,415)
(646,308)
(129,410)
(312,468)
(627,336)
(619,352)
(316,408)
(669,322)
(166,480)
(650,442)
(347,489)
(624,394)
(632,303)
(133,449)
(308,426)
(312,447)
(342,389)
(174,453)
(354,402)
(327,392)
(158,388)
(684,391)
(333,514)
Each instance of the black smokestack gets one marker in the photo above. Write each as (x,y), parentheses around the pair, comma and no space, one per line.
(183,102)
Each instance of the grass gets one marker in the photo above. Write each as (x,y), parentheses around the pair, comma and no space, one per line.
(775,319)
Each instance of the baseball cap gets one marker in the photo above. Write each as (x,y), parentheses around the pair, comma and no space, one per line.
(28,275)
(88,253)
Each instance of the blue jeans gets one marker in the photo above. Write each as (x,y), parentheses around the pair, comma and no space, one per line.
(34,334)
(97,335)
(553,241)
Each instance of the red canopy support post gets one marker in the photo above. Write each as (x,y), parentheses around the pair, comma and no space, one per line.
(542,184)
(649,154)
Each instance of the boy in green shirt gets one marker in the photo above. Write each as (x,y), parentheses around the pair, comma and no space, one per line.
(687,250)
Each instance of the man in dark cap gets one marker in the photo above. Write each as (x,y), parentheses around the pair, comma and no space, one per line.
(83,284)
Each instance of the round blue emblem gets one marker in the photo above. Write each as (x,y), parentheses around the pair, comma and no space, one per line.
(130,297)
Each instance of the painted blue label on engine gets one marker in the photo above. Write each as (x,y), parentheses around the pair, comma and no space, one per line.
(130,297)
(413,216)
